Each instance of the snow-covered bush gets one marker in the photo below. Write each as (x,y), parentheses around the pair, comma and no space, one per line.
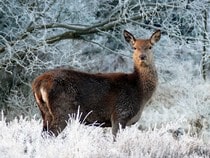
(21,138)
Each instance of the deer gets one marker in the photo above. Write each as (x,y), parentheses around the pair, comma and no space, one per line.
(111,99)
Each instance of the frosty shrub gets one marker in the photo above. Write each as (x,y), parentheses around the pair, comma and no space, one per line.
(21,138)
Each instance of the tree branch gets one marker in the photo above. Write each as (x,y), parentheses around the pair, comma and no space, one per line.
(76,31)
(103,26)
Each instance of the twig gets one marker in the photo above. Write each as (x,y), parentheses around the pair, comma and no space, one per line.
(203,70)
(100,45)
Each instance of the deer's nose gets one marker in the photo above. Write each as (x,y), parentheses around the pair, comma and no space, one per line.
(143,57)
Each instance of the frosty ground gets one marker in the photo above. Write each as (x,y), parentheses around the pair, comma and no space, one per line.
(22,139)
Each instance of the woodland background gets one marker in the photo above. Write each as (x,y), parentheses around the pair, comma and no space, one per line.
(37,35)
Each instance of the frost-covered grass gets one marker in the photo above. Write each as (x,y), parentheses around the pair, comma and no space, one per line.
(22,139)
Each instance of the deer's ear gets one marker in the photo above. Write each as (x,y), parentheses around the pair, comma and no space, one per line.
(155,37)
(129,37)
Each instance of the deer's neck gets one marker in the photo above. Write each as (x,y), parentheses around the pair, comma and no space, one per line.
(147,78)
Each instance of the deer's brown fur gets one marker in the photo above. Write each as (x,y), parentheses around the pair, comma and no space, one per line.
(109,98)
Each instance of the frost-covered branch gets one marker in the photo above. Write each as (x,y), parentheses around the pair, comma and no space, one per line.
(78,32)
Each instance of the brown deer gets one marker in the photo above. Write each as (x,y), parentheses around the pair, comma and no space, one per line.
(109,99)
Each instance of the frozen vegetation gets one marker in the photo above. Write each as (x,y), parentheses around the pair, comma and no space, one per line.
(22,139)
(176,123)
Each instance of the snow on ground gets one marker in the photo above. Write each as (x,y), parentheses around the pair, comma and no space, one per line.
(22,139)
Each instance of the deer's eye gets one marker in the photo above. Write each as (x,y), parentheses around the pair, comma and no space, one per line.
(150,47)
(134,48)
